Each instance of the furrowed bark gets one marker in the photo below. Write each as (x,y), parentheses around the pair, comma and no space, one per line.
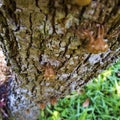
(36,32)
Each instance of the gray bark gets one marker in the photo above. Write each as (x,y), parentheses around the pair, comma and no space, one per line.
(35,32)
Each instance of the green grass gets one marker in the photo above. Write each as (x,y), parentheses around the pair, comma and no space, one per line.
(103,93)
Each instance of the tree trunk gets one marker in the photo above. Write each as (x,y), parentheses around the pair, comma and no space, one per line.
(40,36)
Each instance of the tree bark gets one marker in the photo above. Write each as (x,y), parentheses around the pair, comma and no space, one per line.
(36,32)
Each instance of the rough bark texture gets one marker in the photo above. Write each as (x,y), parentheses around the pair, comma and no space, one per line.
(35,32)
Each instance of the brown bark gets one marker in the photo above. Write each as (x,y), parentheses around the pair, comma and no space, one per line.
(36,32)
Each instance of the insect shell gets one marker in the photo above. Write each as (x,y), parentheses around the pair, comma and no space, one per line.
(83,2)
(42,106)
(49,73)
(53,100)
(96,45)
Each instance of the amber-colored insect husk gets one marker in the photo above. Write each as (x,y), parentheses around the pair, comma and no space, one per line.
(42,106)
(53,100)
(83,2)
(49,72)
(96,45)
